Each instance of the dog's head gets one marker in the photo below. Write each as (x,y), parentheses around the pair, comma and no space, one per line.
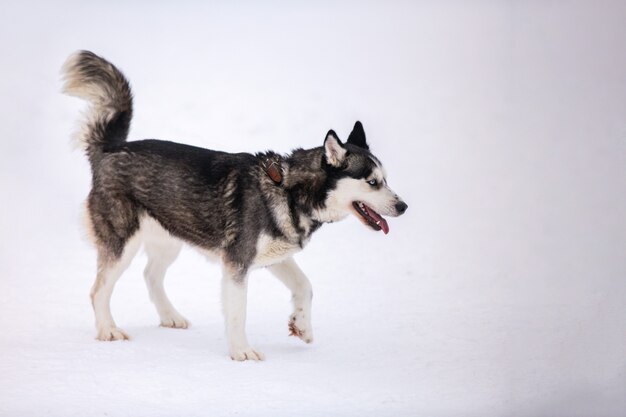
(359,183)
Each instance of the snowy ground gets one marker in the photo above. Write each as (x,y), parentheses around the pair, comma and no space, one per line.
(501,292)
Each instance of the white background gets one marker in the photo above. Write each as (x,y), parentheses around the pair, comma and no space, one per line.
(501,291)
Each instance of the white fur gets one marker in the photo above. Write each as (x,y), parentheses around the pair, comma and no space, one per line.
(162,250)
(271,251)
(234,299)
(292,276)
(103,288)
(348,190)
(335,153)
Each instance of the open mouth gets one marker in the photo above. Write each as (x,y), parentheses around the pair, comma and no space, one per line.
(370,217)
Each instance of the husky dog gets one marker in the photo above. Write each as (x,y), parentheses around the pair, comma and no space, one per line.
(246,210)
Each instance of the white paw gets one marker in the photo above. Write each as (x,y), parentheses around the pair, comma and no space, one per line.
(246,353)
(175,322)
(110,333)
(301,327)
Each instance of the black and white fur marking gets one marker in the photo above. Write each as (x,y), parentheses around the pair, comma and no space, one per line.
(161,194)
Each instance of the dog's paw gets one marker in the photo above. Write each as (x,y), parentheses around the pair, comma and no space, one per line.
(175,322)
(301,327)
(246,353)
(111,333)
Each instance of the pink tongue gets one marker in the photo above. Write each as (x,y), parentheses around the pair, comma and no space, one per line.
(383,223)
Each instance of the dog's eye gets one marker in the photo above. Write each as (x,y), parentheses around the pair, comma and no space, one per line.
(373,183)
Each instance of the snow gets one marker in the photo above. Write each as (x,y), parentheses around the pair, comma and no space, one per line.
(500,292)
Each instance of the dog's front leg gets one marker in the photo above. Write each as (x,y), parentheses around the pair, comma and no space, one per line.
(292,276)
(234,299)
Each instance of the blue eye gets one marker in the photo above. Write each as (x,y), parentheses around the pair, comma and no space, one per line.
(373,183)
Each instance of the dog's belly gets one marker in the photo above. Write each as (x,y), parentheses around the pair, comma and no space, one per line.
(269,250)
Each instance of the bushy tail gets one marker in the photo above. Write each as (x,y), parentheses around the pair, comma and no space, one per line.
(96,80)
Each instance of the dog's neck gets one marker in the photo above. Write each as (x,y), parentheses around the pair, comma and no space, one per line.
(304,180)
(307,181)
(291,180)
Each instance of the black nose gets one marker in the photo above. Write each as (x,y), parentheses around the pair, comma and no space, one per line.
(401,207)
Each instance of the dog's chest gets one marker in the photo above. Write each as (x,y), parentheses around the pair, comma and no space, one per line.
(271,250)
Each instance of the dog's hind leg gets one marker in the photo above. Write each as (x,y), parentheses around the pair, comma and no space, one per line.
(161,254)
(109,271)
(292,276)
(234,299)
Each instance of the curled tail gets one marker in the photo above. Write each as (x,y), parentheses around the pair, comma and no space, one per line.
(96,80)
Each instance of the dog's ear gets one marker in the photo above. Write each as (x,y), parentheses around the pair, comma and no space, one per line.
(357,137)
(334,151)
